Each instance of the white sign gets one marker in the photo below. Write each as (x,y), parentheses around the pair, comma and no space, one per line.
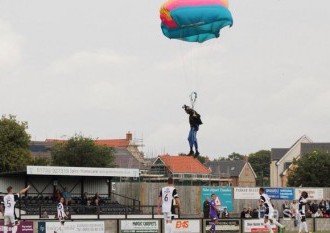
(74,227)
(132,226)
(186,226)
(313,193)
(246,193)
(113,186)
(82,171)
(256,225)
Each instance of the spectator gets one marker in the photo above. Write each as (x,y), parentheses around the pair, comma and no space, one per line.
(86,199)
(44,214)
(314,208)
(57,195)
(294,208)
(286,210)
(206,208)
(294,212)
(255,213)
(325,206)
(97,202)
(67,196)
(97,199)
(245,213)
(68,215)
(225,213)
(325,214)
(250,212)
(319,214)
(308,211)
(322,204)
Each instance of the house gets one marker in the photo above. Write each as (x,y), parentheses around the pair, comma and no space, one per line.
(127,153)
(282,158)
(239,173)
(181,168)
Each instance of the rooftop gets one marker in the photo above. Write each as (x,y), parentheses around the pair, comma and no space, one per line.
(183,164)
(226,168)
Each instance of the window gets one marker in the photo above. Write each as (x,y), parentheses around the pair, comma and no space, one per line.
(287,165)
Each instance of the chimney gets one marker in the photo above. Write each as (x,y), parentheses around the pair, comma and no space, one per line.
(129,136)
(246,158)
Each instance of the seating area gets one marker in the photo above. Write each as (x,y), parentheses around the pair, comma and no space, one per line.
(39,205)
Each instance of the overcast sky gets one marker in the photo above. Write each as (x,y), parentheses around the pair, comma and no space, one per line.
(102,68)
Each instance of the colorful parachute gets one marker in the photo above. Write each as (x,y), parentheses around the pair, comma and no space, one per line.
(194,20)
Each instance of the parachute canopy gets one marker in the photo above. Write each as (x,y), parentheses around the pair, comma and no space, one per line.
(194,20)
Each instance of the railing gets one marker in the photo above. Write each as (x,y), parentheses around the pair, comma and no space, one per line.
(76,197)
(39,211)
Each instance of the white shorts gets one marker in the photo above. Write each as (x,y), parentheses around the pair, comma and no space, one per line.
(167,216)
(9,219)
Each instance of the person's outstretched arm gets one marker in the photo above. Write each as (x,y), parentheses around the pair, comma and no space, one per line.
(24,189)
(188,109)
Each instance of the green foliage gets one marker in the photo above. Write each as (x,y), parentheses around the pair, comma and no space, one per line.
(14,144)
(260,162)
(312,170)
(41,162)
(235,156)
(203,159)
(79,151)
(232,156)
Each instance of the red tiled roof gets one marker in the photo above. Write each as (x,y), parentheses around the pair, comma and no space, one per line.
(184,164)
(113,142)
(104,142)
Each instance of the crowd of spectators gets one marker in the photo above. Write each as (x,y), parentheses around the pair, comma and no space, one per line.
(314,209)
(249,213)
(319,209)
(89,202)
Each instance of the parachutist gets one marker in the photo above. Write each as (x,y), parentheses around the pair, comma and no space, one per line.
(194,121)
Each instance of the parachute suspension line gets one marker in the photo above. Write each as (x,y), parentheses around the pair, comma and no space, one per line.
(184,66)
(193,98)
(190,67)
(187,67)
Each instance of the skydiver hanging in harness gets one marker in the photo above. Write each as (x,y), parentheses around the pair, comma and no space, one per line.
(194,121)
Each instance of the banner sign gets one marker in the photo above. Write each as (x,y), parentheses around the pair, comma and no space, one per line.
(224,226)
(71,227)
(313,193)
(224,195)
(246,193)
(23,227)
(185,226)
(82,171)
(256,225)
(280,193)
(139,226)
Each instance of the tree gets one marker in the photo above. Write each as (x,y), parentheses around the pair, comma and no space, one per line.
(232,156)
(41,162)
(203,159)
(260,162)
(235,156)
(200,158)
(79,151)
(14,144)
(311,170)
